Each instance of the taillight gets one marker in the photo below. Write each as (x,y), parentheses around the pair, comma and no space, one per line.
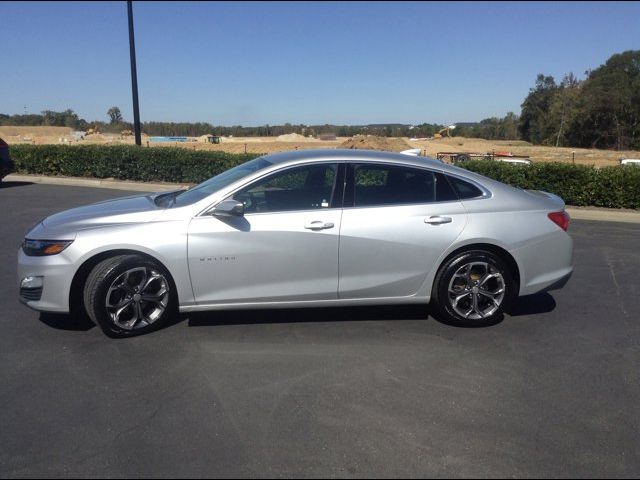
(560,218)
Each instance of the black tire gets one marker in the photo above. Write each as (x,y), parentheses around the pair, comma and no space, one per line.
(447,289)
(146,315)
(461,158)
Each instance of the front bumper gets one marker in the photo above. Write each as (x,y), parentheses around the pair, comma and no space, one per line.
(56,272)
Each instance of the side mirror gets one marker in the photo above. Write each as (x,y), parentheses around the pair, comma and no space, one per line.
(229,208)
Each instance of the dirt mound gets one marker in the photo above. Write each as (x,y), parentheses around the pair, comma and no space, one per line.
(370,142)
(294,137)
(35,131)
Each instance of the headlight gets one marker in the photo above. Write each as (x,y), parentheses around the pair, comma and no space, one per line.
(41,248)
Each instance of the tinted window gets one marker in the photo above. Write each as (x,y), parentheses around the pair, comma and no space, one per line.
(220,181)
(392,185)
(300,188)
(444,190)
(464,189)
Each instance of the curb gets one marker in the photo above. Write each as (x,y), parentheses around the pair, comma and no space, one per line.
(97,183)
(603,214)
(576,213)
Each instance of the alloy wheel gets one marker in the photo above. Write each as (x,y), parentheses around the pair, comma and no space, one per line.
(137,298)
(476,290)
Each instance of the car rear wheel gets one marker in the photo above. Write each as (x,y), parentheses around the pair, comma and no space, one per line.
(473,289)
(129,295)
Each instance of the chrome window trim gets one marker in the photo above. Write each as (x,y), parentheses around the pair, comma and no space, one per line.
(486,193)
(403,205)
(282,212)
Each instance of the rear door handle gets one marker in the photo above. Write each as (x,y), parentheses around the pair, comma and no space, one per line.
(318,225)
(437,220)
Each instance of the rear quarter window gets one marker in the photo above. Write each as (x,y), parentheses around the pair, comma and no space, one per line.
(464,189)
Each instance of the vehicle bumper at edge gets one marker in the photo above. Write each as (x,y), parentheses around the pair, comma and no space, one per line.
(545,265)
(56,272)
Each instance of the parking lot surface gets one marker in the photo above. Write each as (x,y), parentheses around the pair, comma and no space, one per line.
(552,391)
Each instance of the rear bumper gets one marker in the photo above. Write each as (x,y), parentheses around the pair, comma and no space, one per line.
(546,264)
(559,284)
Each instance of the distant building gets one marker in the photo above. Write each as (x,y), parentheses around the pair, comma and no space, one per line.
(209,138)
(327,137)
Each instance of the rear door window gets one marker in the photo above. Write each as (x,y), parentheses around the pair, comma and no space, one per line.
(375,185)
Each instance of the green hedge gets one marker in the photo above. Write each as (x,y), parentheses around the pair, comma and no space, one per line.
(617,187)
(580,185)
(124,162)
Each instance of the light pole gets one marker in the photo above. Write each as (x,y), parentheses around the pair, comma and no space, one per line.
(134,76)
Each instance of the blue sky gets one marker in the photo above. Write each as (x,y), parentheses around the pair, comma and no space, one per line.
(253,63)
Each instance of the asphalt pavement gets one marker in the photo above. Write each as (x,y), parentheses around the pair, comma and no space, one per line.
(552,391)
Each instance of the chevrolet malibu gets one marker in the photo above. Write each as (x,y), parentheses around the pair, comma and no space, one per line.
(302,229)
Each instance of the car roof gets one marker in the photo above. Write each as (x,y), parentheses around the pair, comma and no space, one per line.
(351,155)
(356,155)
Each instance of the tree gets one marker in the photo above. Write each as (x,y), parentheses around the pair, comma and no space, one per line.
(563,109)
(114,115)
(609,104)
(493,128)
(533,125)
(602,111)
(68,118)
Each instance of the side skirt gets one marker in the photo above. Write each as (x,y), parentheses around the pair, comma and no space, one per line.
(307,304)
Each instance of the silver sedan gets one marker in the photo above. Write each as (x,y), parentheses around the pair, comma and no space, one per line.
(302,229)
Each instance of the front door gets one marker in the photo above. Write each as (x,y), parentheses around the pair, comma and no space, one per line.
(285,247)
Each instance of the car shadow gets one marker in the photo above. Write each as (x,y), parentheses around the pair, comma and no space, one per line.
(532,305)
(10,184)
(65,321)
(527,305)
(304,315)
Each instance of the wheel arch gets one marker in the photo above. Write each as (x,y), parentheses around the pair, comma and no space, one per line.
(79,278)
(490,247)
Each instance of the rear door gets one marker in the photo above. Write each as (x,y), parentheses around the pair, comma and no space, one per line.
(396,223)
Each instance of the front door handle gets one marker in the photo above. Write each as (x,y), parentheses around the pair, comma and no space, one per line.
(437,220)
(318,225)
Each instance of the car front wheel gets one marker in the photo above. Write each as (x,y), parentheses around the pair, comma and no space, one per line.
(473,288)
(129,295)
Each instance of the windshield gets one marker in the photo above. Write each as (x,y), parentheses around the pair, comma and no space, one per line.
(220,181)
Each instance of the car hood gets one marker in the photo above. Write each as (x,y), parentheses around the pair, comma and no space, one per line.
(134,209)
